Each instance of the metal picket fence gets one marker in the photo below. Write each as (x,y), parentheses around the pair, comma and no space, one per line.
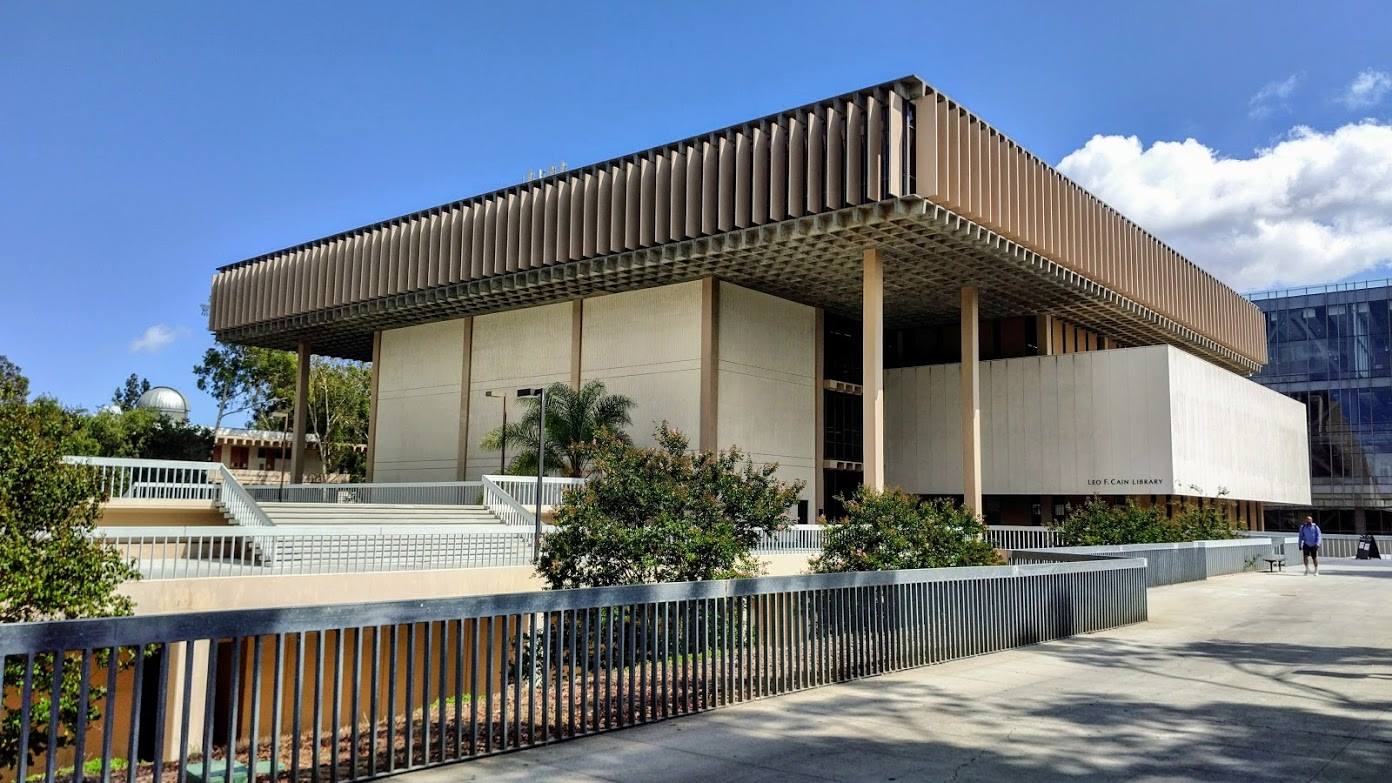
(1166,564)
(358,691)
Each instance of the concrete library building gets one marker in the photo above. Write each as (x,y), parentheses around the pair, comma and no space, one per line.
(877,288)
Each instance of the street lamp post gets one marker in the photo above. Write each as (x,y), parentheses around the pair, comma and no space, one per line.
(541,464)
(284,424)
(502,462)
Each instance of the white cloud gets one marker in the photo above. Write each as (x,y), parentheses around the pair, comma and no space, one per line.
(1272,96)
(156,338)
(1315,207)
(1367,89)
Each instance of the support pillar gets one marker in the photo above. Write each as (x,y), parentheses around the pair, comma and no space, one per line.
(872,369)
(971,399)
(372,404)
(818,413)
(577,336)
(1044,334)
(710,364)
(297,453)
(466,375)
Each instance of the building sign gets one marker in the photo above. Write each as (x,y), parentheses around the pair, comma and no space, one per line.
(1125,482)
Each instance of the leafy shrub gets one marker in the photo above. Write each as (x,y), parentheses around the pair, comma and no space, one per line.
(884,530)
(1098,522)
(50,566)
(663,514)
(1204,524)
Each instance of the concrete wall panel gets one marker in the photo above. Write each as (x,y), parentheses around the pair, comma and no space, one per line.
(1151,420)
(647,345)
(418,387)
(767,381)
(513,350)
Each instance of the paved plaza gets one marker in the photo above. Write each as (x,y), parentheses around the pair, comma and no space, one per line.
(1252,676)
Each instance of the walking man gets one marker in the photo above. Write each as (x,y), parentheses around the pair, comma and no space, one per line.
(1309,537)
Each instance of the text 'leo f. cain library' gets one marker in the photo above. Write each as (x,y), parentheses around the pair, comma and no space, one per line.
(875,288)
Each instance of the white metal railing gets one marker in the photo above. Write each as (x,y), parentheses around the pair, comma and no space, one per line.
(508,497)
(1021,536)
(161,479)
(240,504)
(413,493)
(1331,544)
(795,538)
(149,479)
(201,552)
(504,506)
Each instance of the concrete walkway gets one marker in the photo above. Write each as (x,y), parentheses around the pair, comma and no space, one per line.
(1252,676)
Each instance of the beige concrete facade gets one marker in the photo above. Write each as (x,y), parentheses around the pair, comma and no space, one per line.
(128,512)
(767,380)
(893,205)
(650,345)
(419,377)
(647,345)
(1135,421)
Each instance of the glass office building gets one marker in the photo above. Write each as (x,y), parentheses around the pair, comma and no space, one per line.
(1331,348)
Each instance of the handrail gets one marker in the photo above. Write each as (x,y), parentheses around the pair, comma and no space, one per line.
(503,505)
(160,479)
(208,552)
(523,489)
(480,664)
(429,493)
(240,503)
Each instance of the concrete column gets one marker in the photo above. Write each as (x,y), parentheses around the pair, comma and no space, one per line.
(174,699)
(577,336)
(872,369)
(1044,334)
(710,364)
(1046,510)
(297,454)
(372,405)
(971,399)
(818,413)
(466,371)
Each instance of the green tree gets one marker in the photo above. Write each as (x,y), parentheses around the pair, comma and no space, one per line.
(137,433)
(261,382)
(53,568)
(891,529)
(128,394)
(13,384)
(225,375)
(663,514)
(574,419)
(340,403)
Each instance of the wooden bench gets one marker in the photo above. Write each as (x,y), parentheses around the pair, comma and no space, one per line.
(1274,562)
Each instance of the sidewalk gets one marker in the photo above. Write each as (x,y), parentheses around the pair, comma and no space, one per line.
(1260,676)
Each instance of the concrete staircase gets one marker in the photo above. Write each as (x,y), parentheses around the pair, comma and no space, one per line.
(378,514)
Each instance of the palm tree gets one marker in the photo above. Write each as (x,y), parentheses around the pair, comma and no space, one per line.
(573,419)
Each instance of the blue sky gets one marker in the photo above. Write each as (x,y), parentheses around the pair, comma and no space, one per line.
(144,144)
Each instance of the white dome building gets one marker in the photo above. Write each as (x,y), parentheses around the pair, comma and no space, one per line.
(165,401)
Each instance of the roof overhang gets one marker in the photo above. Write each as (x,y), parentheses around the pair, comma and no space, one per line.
(929,253)
(787,204)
